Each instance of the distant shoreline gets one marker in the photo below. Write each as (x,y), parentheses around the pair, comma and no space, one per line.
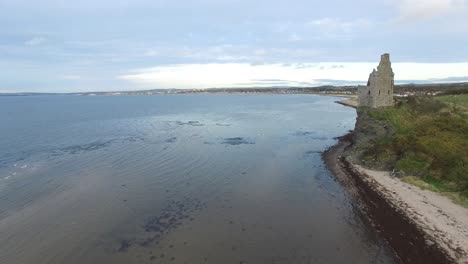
(350,90)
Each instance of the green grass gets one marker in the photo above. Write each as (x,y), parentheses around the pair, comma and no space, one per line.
(430,141)
(456,100)
(428,185)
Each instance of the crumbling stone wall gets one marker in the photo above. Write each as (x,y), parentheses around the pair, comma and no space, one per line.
(379,89)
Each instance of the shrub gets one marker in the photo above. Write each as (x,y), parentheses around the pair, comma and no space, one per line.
(430,141)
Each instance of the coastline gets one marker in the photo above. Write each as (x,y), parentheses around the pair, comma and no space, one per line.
(350,101)
(420,226)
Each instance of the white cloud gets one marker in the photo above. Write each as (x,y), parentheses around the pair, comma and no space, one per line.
(212,75)
(304,74)
(429,71)
(71,77)
(7,91)
(426,9)
(339,25)
(36,41)
(232,53)
(151,53)
(294,37)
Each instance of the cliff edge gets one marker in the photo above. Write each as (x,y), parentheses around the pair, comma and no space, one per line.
(373,162)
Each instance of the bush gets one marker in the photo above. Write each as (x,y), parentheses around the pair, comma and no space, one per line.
(414,164)
(430,141)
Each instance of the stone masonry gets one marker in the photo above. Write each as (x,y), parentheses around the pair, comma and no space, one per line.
(379,89)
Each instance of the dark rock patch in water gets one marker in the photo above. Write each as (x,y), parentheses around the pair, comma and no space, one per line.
(303,133)
(133,139)
(124,245)
(224,125)
(311,152)
(189,123)
(171,217)
(237,141)
(171,140)
(75,149)
(310,134)
(93,146)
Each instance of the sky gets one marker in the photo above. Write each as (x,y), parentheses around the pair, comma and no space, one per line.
(110,45)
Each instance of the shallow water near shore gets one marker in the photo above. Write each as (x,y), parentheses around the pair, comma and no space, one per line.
(176,179)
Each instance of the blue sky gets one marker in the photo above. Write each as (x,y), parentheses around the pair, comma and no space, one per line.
(69,46)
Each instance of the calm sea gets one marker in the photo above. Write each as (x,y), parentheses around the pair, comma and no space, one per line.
(176,179)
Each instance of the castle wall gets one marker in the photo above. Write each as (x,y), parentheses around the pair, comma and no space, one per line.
(379,89)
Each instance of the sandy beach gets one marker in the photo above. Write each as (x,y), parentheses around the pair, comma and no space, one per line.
(420,225)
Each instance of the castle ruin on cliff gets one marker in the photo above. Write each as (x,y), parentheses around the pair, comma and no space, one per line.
(379,89)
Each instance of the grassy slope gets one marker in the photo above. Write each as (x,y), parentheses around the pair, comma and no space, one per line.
(430,143)
(460,101)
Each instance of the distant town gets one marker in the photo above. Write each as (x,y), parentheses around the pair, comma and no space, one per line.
(401,90)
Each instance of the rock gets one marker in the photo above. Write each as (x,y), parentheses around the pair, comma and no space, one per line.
(429,242)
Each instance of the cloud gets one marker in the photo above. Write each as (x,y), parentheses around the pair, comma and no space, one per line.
(398,81)
(427,9)
(151,53)
(4,91)
(339,25)
(235,53)
(72,77)
(216,75)
(451,79)
(36,41)
(338,82)
(308,74)
(41,42)
(294,37)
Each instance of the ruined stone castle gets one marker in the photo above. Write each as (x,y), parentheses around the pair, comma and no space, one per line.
(379,89)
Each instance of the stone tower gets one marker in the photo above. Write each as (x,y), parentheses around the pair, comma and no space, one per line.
(379,89)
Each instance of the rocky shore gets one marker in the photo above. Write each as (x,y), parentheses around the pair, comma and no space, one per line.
(421,226)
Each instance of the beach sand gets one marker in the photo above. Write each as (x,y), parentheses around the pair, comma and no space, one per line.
(420,225)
